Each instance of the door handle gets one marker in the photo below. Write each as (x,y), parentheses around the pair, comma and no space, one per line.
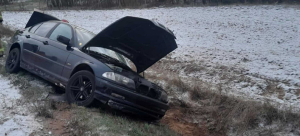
(27,36)
(45,42)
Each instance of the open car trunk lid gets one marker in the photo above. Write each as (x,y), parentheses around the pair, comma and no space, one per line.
(142,41)
(39,17)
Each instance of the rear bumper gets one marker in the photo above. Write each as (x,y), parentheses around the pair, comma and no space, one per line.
(124,99)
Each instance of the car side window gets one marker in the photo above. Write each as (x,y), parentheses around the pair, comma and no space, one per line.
(32,29)
(63,30)
(44,29)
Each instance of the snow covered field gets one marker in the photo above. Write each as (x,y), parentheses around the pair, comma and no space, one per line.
(262,41)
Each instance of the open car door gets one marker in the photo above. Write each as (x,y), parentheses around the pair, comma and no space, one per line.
(142,41)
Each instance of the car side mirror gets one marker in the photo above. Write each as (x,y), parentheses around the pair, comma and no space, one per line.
(63,40)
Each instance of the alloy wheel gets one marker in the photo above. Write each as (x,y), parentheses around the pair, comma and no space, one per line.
(12,60)
(81,88)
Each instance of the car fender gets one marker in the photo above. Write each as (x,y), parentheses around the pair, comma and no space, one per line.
(12,45)
(97,67)
(16,39)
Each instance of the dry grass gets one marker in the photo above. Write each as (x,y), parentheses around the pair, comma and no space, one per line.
(181,86)
(5,31)
(85,121)
(2,70)
(33,96)
(43,109)
(192,68)
(222,114)
(272,88)
(297,92)
(199,93)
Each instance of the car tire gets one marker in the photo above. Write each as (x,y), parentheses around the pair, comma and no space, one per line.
(12,64)
(81,88)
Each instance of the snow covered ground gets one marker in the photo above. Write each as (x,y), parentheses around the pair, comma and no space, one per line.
(262,41)
(15,119)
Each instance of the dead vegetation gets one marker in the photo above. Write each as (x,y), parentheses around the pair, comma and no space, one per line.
(35,95)
(274,88)
(209,112)
(297,92)
(5,31)
(43,109)
(85,121)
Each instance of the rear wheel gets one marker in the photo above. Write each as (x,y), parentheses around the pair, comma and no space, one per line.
(12,64)
(81,88)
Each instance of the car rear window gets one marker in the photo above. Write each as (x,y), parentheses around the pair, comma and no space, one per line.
(32,29)
(45,28)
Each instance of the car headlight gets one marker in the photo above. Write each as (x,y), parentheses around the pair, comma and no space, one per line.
(164,97)
(120,79)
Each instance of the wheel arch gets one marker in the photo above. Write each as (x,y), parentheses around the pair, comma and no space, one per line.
(80,67)
(15,45)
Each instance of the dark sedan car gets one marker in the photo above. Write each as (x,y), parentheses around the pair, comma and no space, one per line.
(105,66)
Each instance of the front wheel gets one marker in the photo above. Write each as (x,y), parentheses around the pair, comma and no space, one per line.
(12,64)
(81,88)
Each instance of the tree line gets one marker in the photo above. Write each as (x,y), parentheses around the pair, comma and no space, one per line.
(153,3)
(97,4)
(5,2)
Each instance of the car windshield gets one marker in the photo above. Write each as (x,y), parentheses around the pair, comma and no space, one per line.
(111,54)
(83,36)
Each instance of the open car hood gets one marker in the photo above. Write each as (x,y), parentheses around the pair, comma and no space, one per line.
(142,41)
(39,17)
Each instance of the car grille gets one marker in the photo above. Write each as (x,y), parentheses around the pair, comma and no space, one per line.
(150,92)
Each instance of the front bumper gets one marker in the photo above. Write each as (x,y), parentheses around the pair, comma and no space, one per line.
(124,99)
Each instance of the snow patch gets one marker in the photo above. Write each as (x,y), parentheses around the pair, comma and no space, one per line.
(15,119)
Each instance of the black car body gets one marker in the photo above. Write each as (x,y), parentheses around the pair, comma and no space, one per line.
(96,66)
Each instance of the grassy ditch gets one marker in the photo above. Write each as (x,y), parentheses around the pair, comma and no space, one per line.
(82,120)
(75,120)
(205,108)
(98,121)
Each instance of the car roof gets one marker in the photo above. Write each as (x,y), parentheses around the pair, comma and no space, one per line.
(74,26)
